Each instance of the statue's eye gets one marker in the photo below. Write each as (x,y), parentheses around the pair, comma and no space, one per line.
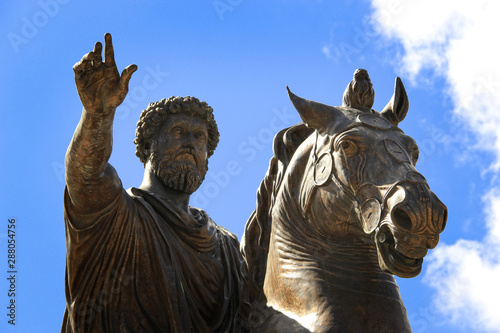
(176,130)
(348,147)
(200,136)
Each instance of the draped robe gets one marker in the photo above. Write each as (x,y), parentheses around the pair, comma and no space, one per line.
(143,265)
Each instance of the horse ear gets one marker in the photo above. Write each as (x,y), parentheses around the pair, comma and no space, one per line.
(395,111)
(314,114)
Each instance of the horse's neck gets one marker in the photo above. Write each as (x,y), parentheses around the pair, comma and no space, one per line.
(330,286)
(321,264)
(339,250)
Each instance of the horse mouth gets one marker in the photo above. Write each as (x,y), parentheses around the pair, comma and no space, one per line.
(393,260)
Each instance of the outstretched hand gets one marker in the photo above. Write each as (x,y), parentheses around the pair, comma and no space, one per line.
(99,84)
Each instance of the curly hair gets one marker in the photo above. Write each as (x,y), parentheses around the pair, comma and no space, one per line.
(156,114)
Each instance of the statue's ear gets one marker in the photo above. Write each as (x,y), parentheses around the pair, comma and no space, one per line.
(315,115)
(395,111)
(147,148)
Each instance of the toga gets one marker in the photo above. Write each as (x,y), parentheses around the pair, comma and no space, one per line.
(144,265)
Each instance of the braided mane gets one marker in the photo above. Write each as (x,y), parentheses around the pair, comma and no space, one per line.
(255,241)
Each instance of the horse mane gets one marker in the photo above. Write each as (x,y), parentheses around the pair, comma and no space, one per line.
(255,241)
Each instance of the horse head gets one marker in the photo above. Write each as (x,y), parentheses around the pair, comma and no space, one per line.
(369,158)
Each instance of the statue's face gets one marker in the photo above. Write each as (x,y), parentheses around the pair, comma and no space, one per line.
(179,157)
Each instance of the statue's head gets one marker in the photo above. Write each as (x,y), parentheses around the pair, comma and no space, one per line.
(364,155)
(176,136)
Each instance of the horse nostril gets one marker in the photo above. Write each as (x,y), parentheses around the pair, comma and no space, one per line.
(401,218)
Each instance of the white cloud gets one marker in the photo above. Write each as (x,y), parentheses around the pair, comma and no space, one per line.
(466,276)
(458,40)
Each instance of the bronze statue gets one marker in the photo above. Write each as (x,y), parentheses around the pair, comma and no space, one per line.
(341,209)
(142,260)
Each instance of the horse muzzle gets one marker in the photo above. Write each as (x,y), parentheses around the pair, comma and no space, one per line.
(412,219)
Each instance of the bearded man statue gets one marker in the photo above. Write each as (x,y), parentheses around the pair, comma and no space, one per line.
(143,260)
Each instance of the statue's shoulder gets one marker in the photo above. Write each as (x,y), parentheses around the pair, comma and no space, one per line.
(228,234)
(144,196)
(203,217)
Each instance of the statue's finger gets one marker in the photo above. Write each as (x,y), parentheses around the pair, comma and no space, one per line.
(87,61)
(109,53)
(89,56)
(78,67)
(97,62)
(126,75)
(97,48)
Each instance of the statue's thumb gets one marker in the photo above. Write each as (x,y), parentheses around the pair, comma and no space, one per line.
(126,75)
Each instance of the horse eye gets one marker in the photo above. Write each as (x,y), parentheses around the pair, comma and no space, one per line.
(348,147)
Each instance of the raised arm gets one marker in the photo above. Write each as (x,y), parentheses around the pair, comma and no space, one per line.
(93,183)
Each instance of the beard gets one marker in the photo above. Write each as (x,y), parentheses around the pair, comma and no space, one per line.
(181,174)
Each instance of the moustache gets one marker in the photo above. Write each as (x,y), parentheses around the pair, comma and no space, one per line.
(179,152)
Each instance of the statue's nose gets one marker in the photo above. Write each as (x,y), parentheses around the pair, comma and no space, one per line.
(188,140)
(416,208)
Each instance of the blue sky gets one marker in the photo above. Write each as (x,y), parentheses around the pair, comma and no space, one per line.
(239,55)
